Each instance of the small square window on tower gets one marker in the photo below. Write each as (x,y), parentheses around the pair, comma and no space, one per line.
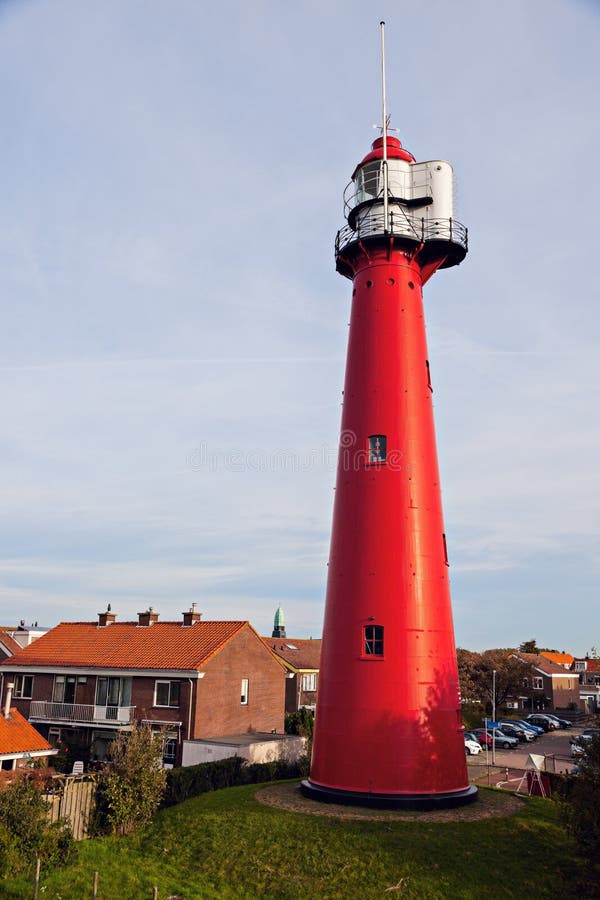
(377,448)
(373,640)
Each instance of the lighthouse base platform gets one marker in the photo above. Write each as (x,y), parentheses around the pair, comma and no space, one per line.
(390,801)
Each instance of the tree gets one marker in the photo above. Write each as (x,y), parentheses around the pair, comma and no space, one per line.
(476,676)
(468,662)
(131,788)
(529,647)
(582,810)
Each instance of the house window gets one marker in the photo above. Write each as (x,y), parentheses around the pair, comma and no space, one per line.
(63,690)
(377,448)
(309,682)
(526,682)
(538,684)
(23,687)
(580,666)
(373,640)
(244,692)
(112,692)
(166,693)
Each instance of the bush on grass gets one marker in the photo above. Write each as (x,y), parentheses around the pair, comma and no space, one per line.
(131,787)
(582,810)
(26,833)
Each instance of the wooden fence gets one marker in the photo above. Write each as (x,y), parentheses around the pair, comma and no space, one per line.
(72,797)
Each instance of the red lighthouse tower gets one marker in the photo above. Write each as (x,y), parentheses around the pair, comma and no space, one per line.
(388,726)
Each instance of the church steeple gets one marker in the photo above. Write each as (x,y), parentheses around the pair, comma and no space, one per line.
(279,624)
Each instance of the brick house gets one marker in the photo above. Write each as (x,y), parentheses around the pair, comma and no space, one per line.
(84,682)
(549,686)
(587,671)
(301,659)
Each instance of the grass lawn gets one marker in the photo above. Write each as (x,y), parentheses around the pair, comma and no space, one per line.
(227,845)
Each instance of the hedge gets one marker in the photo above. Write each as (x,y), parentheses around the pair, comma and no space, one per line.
(191,781)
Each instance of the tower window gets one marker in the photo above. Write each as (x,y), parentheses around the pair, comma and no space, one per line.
(373,640)
(377,448)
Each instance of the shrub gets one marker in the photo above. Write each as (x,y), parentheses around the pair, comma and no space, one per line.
(191,781)
(301,722)
(582,811)
(131,787)
(26,833)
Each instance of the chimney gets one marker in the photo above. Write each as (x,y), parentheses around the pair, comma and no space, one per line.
(9,692)
(106,618)
(147,618)
(191,617)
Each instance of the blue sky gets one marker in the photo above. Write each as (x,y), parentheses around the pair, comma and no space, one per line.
(173,328)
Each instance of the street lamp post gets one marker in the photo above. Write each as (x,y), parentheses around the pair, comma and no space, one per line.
(494,717)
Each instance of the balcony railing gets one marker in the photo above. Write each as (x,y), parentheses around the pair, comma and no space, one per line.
(402,224)
(48,711)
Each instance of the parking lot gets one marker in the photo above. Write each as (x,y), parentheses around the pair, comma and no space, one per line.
(555,746)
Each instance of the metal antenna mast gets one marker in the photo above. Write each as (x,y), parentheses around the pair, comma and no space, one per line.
(384,164)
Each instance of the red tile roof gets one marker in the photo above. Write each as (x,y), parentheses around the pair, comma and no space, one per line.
(8,641)
(127,645)
(299,653)
(561,659)
(542,663)
(18,736)
(591,663)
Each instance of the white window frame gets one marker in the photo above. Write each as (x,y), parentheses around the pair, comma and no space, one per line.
(309,681)
(538,683)
(244,687)
(170,704)
(54,736)
(19,692)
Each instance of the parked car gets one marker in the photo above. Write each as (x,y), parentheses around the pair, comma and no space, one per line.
(558,723)
(504,741)
(564,723)
(535,728)
(472,745)
(578,744)
(515,731)
(482,736)
(541,720)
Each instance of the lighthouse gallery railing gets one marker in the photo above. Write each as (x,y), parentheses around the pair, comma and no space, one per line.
(401,224)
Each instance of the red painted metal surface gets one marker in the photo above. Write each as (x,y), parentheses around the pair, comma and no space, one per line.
(388,724)
(395,150)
